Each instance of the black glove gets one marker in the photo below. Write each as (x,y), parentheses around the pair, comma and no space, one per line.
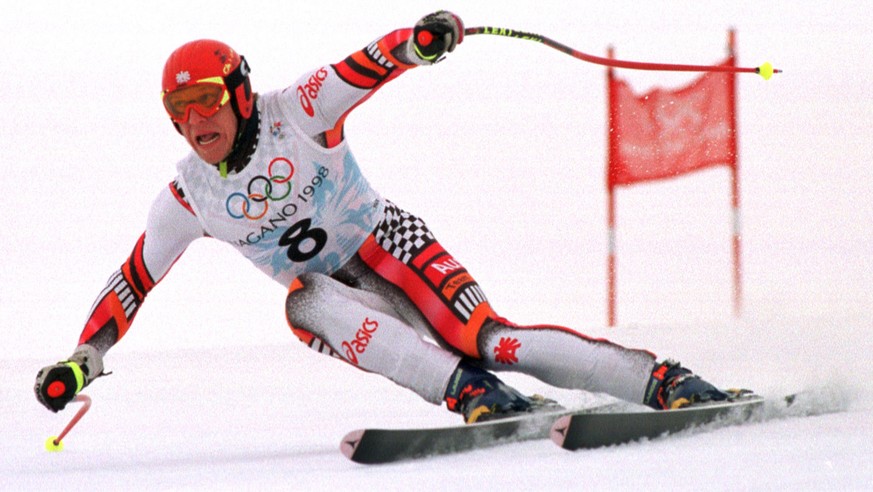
(58,384)
(435,35)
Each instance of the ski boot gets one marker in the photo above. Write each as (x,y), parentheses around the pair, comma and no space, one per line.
(479,395)
(672,386)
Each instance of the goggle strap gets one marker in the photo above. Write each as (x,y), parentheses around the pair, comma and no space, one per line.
(237,83)
(238,76)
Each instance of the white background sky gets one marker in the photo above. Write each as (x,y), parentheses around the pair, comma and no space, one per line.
(501,149)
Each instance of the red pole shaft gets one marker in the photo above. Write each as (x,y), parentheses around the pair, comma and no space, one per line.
(87,404)
(609,62)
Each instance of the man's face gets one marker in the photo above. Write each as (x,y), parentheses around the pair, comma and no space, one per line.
(211,138)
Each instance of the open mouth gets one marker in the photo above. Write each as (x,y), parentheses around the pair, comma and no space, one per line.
(207,138)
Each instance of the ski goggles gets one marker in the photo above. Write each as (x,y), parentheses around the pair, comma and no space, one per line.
(206,96)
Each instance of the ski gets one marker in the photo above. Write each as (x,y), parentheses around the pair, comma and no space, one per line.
(375,446)
(594,429)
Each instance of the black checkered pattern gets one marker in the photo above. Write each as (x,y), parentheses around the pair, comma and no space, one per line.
(402,234)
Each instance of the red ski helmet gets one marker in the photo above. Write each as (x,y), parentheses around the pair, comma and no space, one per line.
(211,64)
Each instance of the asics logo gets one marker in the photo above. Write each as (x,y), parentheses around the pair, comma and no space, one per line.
(306,93)
(262,190)
(362,339)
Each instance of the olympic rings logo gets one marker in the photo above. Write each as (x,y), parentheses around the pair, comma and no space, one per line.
(260,190)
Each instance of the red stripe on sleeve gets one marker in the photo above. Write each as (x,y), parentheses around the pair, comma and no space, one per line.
(109,309)
(354,77)
(180,197)
(391,41)
(138,262)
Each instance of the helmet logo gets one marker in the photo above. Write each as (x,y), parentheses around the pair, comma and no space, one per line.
(224,59)
(183,77)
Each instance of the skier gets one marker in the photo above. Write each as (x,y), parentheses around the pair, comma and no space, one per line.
(368,283)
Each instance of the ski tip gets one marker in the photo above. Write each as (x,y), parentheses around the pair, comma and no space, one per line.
(350,442)
(559,430)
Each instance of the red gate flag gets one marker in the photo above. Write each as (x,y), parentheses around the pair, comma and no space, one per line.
(663,134)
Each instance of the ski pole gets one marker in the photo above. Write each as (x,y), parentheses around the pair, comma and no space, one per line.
(766,70)
(54,443)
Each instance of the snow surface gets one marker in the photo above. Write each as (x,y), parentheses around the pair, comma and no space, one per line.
(501,149)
